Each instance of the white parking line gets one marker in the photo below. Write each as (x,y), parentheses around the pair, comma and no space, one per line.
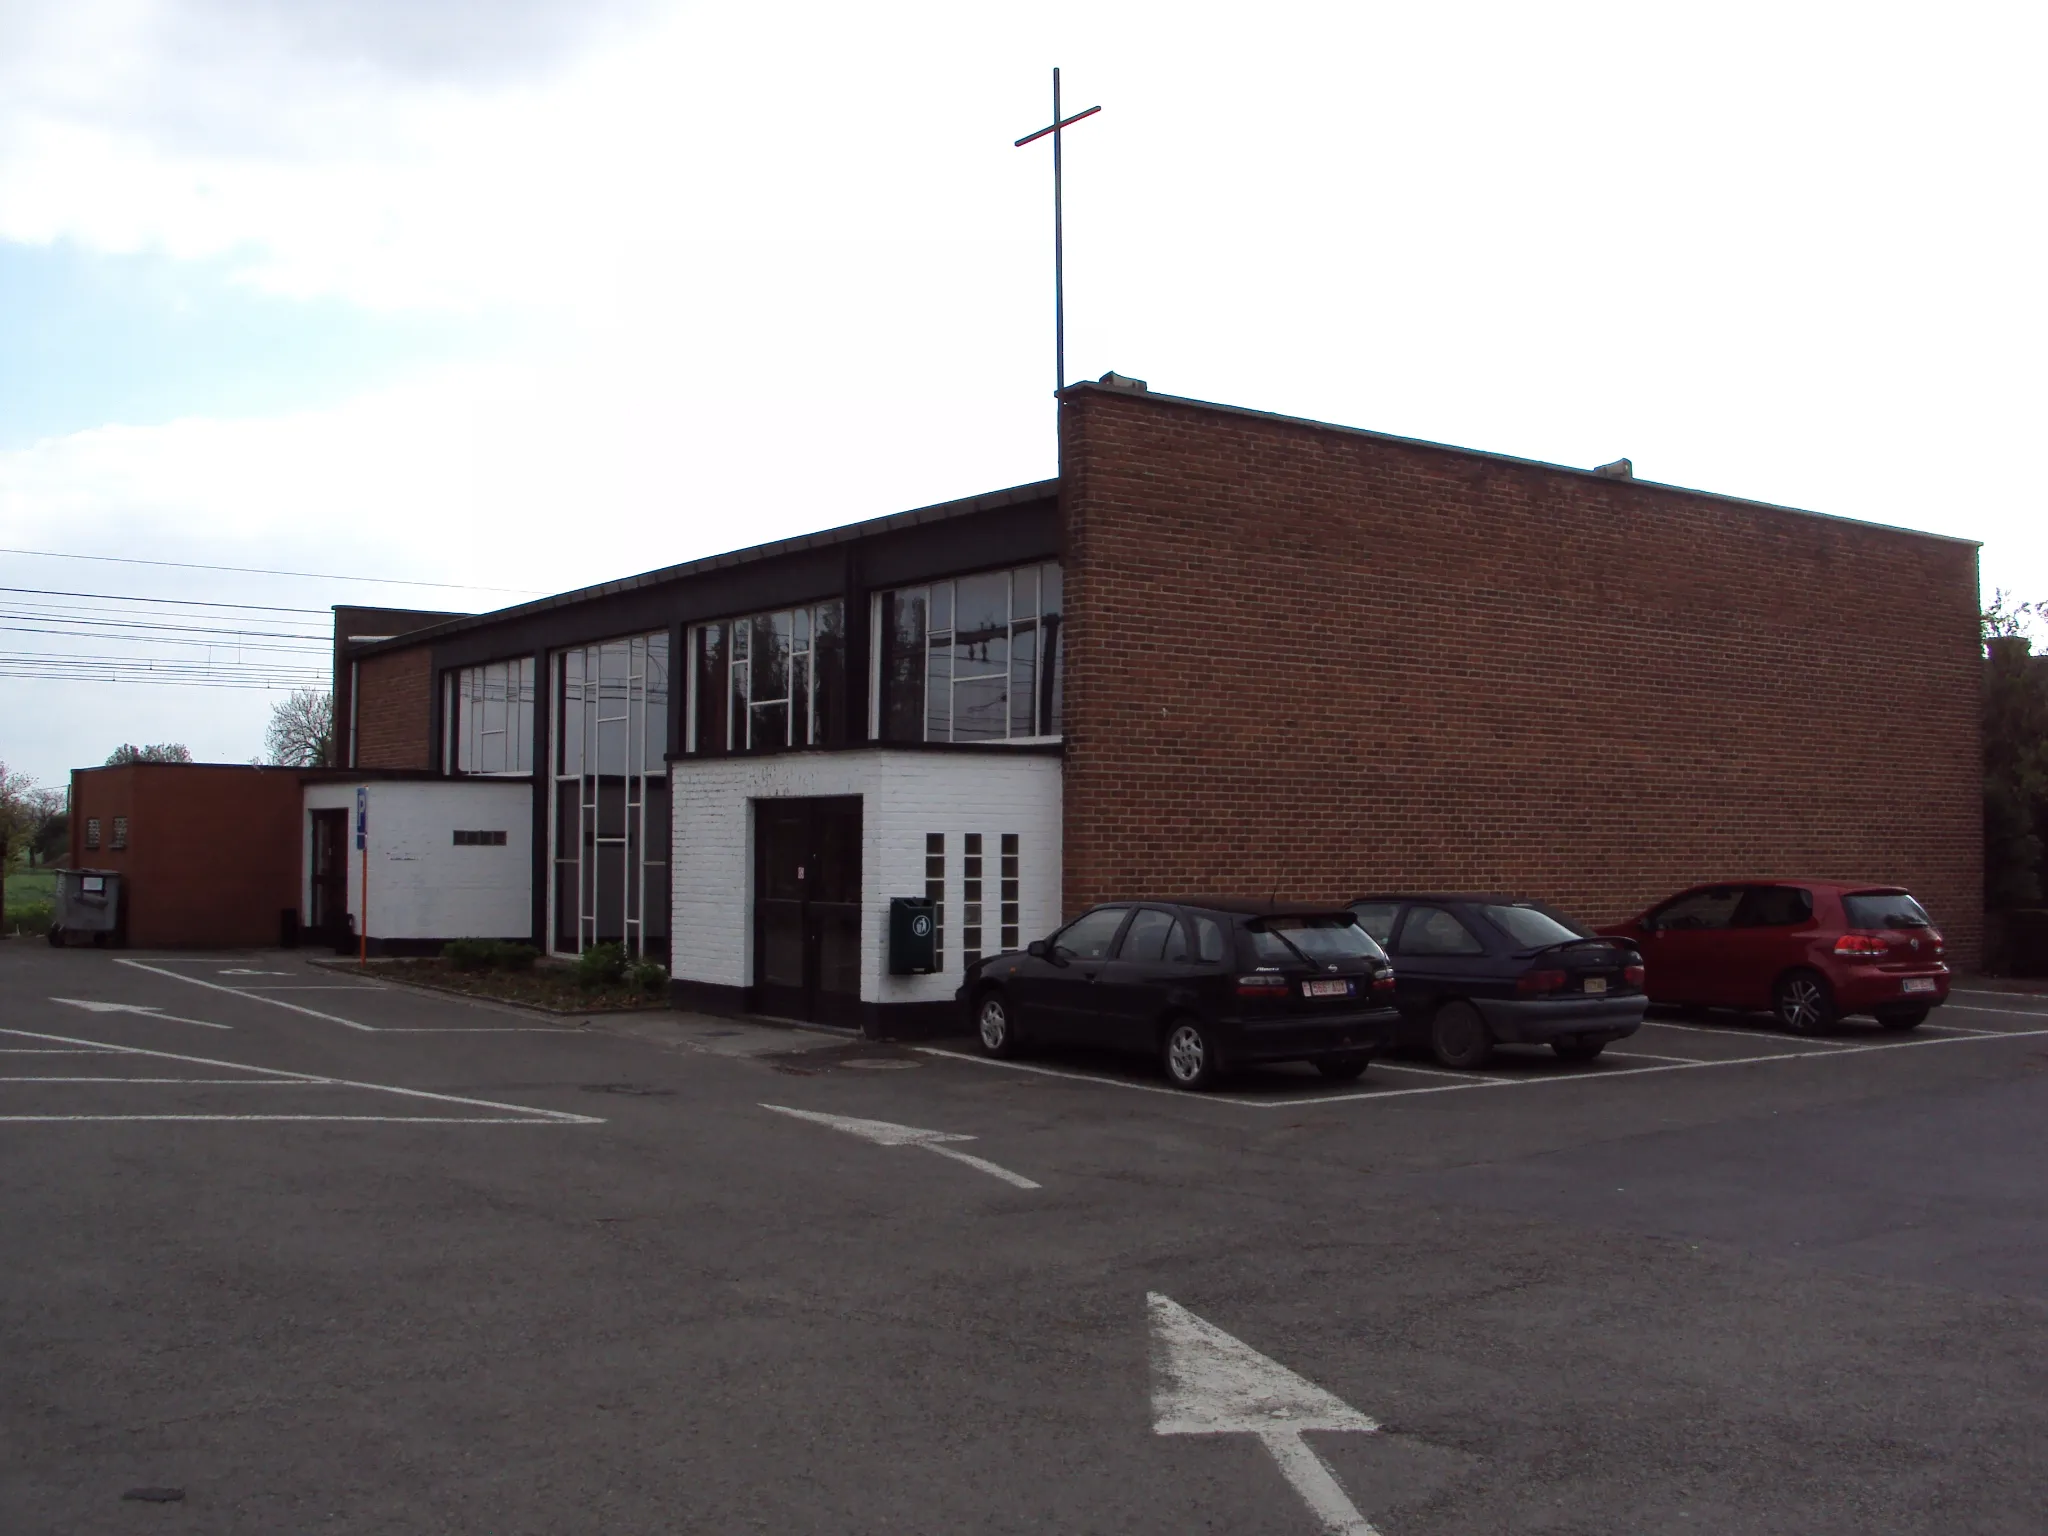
(255,995)
(189,1082)
(275,1002)
(1647,1056)
(304,1079)
(1740,1034)
(1595,1075)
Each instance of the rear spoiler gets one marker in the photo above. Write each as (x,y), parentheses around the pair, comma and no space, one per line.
(1611,940)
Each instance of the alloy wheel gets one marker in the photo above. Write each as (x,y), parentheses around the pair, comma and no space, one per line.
(995,1024)
(1802,1005)
(1186,1054)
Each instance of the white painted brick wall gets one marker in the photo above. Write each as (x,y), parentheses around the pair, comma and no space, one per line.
(421,885)
(904,796)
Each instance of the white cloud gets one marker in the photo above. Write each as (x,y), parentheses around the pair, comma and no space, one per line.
(766,269)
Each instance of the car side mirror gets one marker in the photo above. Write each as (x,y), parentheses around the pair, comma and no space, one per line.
(1038,949)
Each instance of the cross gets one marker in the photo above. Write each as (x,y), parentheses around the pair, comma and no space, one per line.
(1059,291)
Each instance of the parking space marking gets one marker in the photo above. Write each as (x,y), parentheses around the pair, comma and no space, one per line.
(1579,1075)
(2009,1013)
(527,1114)
(141,1009)
(884,1133)
(255,995)
(275,1002)
(190,1082)
(1740,1034)
(1646,1056)
(1403,1066)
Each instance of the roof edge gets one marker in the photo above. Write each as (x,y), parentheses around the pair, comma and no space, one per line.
(1310,422)
(845,533)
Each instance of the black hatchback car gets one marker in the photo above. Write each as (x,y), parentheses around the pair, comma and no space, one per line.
(1201,984)
(1477,971)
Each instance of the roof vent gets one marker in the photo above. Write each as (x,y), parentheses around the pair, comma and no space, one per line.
(1620,469)
(1116,380)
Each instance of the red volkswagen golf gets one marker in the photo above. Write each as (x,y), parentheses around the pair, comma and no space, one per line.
(1811,951)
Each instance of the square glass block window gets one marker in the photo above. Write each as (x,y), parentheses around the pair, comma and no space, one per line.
(92,831)
(1009,891)
(120,832)
(479,839)
(935,891)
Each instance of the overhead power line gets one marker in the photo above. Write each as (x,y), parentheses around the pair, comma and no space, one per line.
(182,602)
(253,570)
(169,629)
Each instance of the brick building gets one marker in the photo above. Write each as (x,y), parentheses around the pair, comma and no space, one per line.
(1224,650)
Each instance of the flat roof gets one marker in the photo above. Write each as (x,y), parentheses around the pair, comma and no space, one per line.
(1094,387)
(847,533)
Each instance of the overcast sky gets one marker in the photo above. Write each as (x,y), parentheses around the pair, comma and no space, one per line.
(523,294)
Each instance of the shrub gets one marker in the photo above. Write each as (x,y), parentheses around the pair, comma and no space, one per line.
(514,957)
(470,954)
(32,918)
(601,965)
(649,978)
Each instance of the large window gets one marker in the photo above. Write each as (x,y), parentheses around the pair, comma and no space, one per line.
(770,681)
(490,718)
(611,810)
(975,658)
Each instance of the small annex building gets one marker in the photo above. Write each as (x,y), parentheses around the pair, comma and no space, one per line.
(1223,651)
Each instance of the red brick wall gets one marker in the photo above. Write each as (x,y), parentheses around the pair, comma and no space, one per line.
(1313,662)
(394,710)
(213,849)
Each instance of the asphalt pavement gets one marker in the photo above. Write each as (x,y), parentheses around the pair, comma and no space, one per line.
(318,1253)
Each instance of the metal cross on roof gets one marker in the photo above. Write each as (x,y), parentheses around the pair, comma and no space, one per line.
(1059,291)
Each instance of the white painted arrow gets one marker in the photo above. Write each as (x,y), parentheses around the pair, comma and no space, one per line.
(1204,1382)
(144,1009)
(885,1134)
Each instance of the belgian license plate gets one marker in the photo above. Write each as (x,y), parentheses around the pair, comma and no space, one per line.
(1596,983)
(1919,983)
(1326,989)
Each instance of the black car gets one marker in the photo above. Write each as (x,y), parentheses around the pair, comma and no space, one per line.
(1203,984)
(1479,971)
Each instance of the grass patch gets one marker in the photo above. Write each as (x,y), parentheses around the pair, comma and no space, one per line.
(29,885)
(551,985)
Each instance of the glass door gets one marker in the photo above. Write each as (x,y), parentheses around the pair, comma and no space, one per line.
(611,800)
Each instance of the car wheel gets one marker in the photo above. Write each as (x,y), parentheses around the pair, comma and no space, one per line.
(1458,1037)
(1903,1018)
(1803,1003)
(1578,1050)
(996,1026)
(1343,1069)
(1189,1055)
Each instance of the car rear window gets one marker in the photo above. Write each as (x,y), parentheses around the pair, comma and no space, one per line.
(1319,939)
(1530,926)
(1885,909)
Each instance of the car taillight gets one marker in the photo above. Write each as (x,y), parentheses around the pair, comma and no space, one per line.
(1262,986)
(1865,945)
(1384,982)
(1632,975)
(1541,981)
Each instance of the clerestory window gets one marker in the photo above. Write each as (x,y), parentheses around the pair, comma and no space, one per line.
(972,658)
(768,682)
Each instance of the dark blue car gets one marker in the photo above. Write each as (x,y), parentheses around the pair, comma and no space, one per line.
(1473,972)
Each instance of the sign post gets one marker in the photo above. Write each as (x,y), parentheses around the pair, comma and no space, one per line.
(363,847)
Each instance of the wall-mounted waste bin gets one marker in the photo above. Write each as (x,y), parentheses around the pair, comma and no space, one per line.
(88,906)
(913,936)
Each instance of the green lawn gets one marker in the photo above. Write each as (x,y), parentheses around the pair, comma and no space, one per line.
(31,885)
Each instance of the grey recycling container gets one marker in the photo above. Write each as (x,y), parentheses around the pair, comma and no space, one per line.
(88,905)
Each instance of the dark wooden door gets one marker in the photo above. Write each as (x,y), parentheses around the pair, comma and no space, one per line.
(328,918)
(807,909)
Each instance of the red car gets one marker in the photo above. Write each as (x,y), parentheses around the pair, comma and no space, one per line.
(1811,951)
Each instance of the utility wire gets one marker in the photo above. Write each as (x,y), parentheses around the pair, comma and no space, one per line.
(253,570)
(175,629)
(93,634)
(182,602)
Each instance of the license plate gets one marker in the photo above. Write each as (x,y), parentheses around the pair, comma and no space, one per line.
(1918,984)
(1596,983)
(1326,989)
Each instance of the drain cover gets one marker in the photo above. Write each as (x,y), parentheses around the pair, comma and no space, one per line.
(638,1090)
(155,1495)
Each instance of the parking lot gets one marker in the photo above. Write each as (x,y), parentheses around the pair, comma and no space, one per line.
(312,1250)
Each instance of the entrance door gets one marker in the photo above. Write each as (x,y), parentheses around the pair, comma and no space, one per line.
(328,919)
(807,909)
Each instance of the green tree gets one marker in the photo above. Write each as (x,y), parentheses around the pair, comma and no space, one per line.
(161,752)
(23,808)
